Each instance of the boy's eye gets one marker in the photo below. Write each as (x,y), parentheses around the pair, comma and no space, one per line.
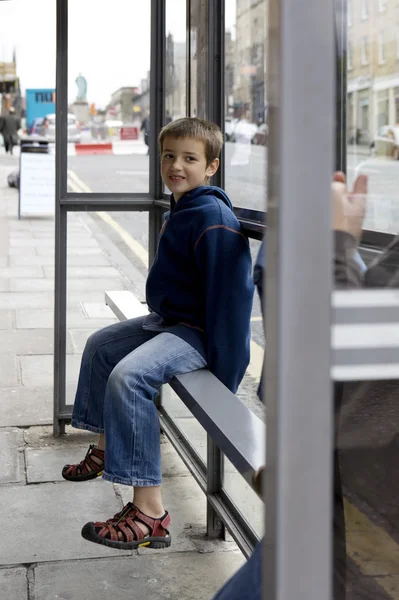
(168,155)
(190,158)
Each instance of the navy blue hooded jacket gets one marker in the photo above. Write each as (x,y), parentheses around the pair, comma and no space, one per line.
(200,286)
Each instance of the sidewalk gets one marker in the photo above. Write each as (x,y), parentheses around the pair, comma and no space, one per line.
(43,556)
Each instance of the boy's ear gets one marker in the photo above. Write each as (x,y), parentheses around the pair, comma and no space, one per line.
(212,168)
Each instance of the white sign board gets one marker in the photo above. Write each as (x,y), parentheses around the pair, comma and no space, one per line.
(37,184)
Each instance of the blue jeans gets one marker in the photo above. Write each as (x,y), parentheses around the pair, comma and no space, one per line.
(247,582)
(123,367)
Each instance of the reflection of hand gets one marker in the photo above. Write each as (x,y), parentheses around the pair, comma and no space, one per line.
(349,209)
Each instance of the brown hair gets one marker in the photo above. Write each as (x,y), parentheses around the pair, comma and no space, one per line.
(198,129)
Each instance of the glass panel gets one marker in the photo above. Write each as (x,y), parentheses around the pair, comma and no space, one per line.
(246,128)
(176,60)
(373,114)
(108,93)
(198,58)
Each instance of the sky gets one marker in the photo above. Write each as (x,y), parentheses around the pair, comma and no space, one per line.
(109,42)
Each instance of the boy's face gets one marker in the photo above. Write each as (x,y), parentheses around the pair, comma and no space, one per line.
(183,165)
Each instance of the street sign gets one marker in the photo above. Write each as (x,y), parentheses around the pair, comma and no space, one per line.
(37,181)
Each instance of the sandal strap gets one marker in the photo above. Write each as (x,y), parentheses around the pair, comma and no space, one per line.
(125,522)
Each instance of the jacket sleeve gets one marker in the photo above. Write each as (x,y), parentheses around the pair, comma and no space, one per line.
(224,260)
(347,272)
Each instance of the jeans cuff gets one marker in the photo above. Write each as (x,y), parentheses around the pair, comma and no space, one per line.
(81,425)
(131,482)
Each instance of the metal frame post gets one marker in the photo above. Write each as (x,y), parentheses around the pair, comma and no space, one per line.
(60,301)
(298,556)
(215,112)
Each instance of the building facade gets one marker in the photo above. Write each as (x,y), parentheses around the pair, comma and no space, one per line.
(373,68)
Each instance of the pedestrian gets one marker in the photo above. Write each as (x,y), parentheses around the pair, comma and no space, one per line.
(10,125)
(200,292)
(145,126)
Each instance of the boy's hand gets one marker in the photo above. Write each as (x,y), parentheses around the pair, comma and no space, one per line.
(349,209)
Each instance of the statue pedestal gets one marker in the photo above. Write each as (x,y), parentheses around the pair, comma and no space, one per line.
(80,108)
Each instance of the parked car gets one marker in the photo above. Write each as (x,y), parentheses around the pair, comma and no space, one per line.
(387,142)
(47,128)
(260,137)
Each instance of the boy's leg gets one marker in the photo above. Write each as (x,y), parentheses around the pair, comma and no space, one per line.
(132,433)
(103,350)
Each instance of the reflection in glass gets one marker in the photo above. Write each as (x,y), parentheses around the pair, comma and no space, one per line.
(108,96)
(372,108)
(176,60)
(246,128)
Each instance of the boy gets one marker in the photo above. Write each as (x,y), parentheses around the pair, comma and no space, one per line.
(200,291)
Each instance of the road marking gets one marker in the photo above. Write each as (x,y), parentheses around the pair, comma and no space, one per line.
(79,186)
(256,363)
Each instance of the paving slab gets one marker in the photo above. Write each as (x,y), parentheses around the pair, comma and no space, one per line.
(11,442)
(27,318)
(31,260)
(38,370)
(4,285)
(21,272)
(9,375)
(186,504)
(50,517)
(164,577)
(20,252)
(70,251)
(173,404)
(14,584)
(97,310)
(21,406)
(26,299)
(3,261)
(32,285)
(30,341)
(87,272)
(6,319)
(45,464)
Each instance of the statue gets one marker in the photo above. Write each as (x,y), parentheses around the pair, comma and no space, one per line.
(82,88)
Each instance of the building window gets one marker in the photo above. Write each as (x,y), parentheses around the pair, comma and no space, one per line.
(365,9)
(349,13)
(381,53)
(382,5)
(364,51)
(350,63)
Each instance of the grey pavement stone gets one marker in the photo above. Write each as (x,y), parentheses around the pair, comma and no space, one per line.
(10,443)
(175,407)
(30,341)
(21,406)
(14,584)
(50,517)
(190,576)
(32,243)
(249,503)
(70,251)
(9,370)
(99,285)
(87,272)
(97,310)
(79,338)
(26,299)
(4,285)
(185,501)
(44,319)
(12,252)
(38,370)
(3,261)
(6,319)
(32,285)
(45,464)
(31,260)
(14,272)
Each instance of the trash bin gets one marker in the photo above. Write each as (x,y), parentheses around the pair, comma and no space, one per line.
(36,178)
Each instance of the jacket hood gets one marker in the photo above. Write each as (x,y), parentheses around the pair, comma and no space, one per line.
(200,192)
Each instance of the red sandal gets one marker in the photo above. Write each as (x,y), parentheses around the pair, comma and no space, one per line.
(125,523)
(87,468)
